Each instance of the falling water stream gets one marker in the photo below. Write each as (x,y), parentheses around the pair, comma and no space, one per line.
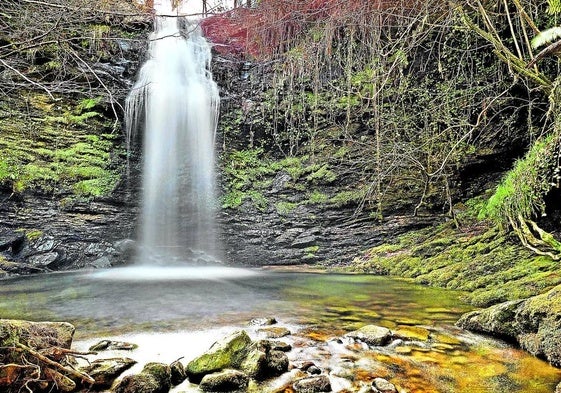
(175,104)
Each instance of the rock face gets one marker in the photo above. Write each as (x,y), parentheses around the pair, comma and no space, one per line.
(66,237)
(533,323)
(307,234)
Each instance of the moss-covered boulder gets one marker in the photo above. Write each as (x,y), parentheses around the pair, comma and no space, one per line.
(533,323)
(36,335)
(264,361)
(230,352)
(154,378)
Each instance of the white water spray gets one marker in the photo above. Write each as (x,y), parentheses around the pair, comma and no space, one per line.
(175,102)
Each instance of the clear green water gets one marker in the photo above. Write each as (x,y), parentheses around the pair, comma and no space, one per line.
(434,356)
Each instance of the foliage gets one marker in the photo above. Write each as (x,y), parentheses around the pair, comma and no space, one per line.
(522,191)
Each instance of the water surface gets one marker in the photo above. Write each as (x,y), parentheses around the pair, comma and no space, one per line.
(178,312)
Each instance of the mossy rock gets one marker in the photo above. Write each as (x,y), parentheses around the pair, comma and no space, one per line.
(154,378)
(229,352)
(533,323)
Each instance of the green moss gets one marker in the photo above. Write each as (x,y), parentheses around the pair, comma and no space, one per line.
(284,207)
(69,156)
(322,175)
(480,260)
(521,192)
(33,234)
(347,197)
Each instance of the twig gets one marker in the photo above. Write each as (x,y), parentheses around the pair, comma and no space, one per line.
(27,79)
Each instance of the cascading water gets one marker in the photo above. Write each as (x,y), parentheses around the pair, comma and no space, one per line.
(175,102)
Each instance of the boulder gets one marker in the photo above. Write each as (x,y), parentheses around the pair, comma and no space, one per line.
(105,371)
(154,378)
(37,335)
(229,352)
(533,323)
(372,335)
(224,381)
(312,385)
(264,362)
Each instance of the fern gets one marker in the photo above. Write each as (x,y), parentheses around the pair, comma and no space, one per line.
(554,6)
(546,37)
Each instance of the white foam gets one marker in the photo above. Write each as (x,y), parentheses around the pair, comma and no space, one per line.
(173,273)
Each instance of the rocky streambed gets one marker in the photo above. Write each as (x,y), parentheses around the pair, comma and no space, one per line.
(216,332)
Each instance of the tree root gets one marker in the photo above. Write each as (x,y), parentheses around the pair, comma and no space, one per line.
(82,377)
(535,238)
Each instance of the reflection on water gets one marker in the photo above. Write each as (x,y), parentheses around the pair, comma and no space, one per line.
(176,302)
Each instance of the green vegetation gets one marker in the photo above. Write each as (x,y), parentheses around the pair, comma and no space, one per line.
(66,151)
(479,259)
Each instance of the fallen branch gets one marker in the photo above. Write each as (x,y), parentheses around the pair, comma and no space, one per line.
(85,378)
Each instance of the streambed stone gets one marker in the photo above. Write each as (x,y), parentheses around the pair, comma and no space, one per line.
(317,384)
(224,381)
(412,333)
(105,371)
(274,332)
(372,335)
(154,378)
(380,385)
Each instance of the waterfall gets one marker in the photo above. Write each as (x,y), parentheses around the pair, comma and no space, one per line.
(175,104)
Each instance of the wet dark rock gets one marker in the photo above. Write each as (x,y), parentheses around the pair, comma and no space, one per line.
(314,370)
(263,321)
(178,374)
(101,263)
(281,346)
(68,236)
(106,371)
(380,385)
(372,335)
(263,361)
(107,345)
(10,240)
(312,385)
(44,259)
(224,381)
(154,378)
(533,323)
